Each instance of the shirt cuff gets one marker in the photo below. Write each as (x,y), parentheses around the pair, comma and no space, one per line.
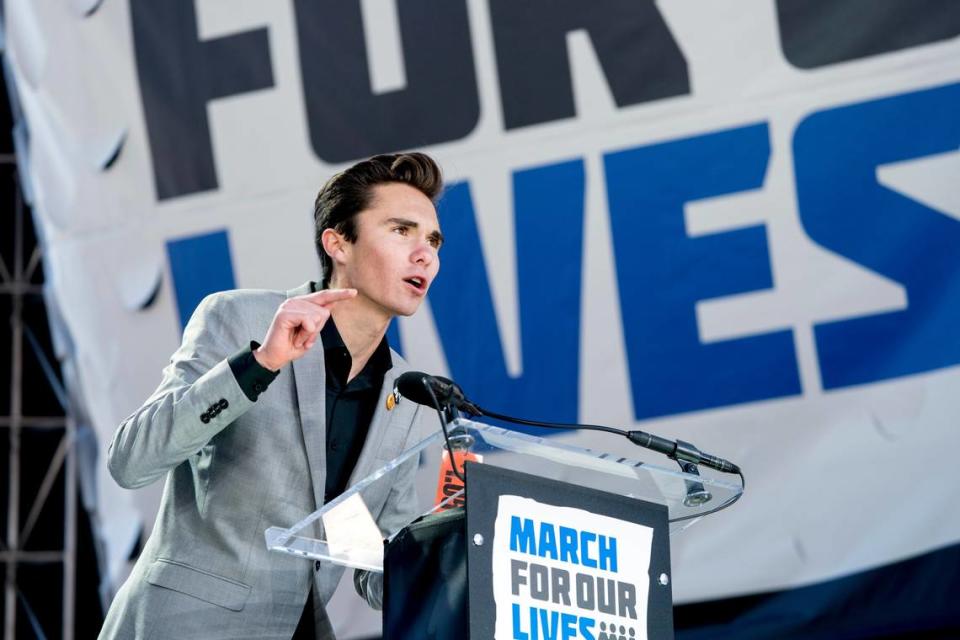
(252,377)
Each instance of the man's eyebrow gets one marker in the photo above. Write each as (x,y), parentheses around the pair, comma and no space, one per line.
(413,224)
(404,221)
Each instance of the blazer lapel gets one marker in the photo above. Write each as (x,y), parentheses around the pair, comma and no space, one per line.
(309,375)
(378,429)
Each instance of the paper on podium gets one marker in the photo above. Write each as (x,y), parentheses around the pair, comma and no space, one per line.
(352,533)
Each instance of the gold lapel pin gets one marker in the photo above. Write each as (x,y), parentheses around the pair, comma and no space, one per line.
(392,401)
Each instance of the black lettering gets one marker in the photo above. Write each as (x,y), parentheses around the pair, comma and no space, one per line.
(179,74)
(606,596)
(451,484)
(811,35)
(539,582)
(585,591)
(639,56)
(560,585)
(516,576)
(627,597)
(347,120)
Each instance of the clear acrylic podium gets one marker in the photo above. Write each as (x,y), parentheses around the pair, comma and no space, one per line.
(350,535)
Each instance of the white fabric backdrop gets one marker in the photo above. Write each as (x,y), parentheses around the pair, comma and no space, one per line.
(840,479)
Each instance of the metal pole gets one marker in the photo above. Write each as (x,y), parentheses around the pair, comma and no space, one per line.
(69,527)
(16,408)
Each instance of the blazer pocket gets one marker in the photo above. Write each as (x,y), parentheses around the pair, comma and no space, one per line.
(200,584)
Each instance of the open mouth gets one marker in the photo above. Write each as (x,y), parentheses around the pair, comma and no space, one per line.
(418,283)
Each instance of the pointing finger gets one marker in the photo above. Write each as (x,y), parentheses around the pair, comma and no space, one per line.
(329,296)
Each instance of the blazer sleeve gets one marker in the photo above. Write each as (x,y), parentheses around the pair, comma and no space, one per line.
(198,396)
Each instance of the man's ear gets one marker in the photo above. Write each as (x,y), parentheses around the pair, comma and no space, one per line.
(335,245)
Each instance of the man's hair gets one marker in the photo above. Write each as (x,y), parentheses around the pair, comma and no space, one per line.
(349,192)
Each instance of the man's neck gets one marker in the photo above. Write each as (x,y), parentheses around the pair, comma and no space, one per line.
(361,329)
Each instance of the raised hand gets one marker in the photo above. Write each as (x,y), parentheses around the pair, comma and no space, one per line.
(296,326)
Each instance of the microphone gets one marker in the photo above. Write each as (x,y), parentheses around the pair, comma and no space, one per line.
(681,451)
(416,386)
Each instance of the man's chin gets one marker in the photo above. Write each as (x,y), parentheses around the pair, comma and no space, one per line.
(406,313)
(408,309)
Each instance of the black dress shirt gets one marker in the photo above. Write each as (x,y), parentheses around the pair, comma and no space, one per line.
(350,405)
(251,376)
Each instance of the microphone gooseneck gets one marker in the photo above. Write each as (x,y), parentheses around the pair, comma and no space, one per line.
(444,394)
(434,391)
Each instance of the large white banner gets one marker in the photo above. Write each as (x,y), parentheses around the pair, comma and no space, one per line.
(736,223)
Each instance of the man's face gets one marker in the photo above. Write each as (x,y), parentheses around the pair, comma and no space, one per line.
(395,256)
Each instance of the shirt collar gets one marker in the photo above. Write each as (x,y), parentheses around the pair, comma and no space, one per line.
(380,360)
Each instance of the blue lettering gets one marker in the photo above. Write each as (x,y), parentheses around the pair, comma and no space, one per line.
(199,265)
(586,628)
(518,634)
(568,545)
(662,274)
(549,203)
(844,209)
(547,545)
(521,535)
(586,537)
(550,624)
(608,553)
(568,624)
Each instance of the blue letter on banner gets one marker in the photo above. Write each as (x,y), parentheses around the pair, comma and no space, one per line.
(663,273)
(845,210)
(200,265)
(548,205)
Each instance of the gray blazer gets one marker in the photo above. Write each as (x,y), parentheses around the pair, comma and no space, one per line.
(205,571)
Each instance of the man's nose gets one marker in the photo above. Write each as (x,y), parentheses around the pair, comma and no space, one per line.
(424,254)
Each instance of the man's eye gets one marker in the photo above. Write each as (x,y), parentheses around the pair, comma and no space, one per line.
(401,230)
(435,243)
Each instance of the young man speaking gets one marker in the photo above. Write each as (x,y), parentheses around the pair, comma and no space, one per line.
(252,435)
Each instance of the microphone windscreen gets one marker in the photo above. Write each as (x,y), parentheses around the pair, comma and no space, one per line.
(412,385)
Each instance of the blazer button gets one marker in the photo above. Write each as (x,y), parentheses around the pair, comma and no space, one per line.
(205,418)
(258,387)
(316,566)
(223,404)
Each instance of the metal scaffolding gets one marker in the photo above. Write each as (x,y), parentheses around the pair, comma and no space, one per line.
(16,282)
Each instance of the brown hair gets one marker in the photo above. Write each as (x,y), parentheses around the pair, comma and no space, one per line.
(349,192)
